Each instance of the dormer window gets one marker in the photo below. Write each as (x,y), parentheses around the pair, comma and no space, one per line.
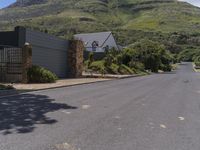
(95,44)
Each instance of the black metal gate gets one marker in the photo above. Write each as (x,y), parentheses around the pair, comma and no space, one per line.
(11,64)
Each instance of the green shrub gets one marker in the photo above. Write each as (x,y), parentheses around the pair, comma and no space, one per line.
(197,64)
(137,65)
(37,74)
(188,55)
(98,66)
(123,69)
(152,54)
(113,69)
(166,67)
(90,59)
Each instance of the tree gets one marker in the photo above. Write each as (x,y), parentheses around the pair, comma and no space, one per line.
(152,54)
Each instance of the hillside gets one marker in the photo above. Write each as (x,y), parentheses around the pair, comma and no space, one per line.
(128,19)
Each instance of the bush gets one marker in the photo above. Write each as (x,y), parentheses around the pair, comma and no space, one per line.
(166,68)
(90,59)
(197,64)
(188,54)
(151,54)
(98,66)
(37,74)
(123,69)
(113,69)
(137,65)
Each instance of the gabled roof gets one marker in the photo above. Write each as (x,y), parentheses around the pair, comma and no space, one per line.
(89,38)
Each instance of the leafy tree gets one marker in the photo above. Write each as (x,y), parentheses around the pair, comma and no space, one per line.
(152,54)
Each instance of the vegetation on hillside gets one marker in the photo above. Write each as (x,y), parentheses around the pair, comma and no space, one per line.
(136,17)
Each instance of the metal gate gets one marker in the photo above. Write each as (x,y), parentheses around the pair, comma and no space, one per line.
(11,64)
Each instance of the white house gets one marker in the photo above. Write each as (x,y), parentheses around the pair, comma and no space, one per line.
(97,42)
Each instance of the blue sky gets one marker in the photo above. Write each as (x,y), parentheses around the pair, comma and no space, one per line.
(4,3)
(194,2)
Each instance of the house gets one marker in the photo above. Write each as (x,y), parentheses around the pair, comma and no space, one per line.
(97,42)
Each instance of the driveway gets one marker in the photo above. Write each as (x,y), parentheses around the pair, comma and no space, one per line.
(156,112)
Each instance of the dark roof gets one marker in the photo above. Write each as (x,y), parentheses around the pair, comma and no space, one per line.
(89,38)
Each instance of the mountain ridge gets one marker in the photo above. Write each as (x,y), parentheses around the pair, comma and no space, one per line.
(141,18)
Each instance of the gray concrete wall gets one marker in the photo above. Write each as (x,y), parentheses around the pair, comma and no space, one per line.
(48,51)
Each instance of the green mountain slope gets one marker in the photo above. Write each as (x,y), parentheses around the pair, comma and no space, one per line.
(128,19)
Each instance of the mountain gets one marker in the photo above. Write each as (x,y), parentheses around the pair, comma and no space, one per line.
(23,3)
(128,19)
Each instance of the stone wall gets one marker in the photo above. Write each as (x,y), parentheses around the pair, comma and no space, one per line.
(75,59)
(27,61)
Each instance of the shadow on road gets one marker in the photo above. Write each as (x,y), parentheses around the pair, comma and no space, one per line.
(21,114)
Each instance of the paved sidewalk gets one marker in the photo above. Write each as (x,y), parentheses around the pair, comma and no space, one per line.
(112,76)
(59,83)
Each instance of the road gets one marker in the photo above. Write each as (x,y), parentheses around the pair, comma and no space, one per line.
(156,112)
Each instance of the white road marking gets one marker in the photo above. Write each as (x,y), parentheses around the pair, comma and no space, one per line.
(86,106)
(119,128)
(163,126)
(181,118)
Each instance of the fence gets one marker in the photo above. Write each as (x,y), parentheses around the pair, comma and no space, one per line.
(11,64)
(62,57)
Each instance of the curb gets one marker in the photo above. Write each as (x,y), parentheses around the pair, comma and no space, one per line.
(110,77)
(11,93)
(134,76)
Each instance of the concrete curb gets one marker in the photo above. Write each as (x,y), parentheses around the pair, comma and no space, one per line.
(8,93)
(134,76)
(11,93)
(115,77)
(110,79)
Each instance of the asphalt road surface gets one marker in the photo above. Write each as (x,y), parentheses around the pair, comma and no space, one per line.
(156,112)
